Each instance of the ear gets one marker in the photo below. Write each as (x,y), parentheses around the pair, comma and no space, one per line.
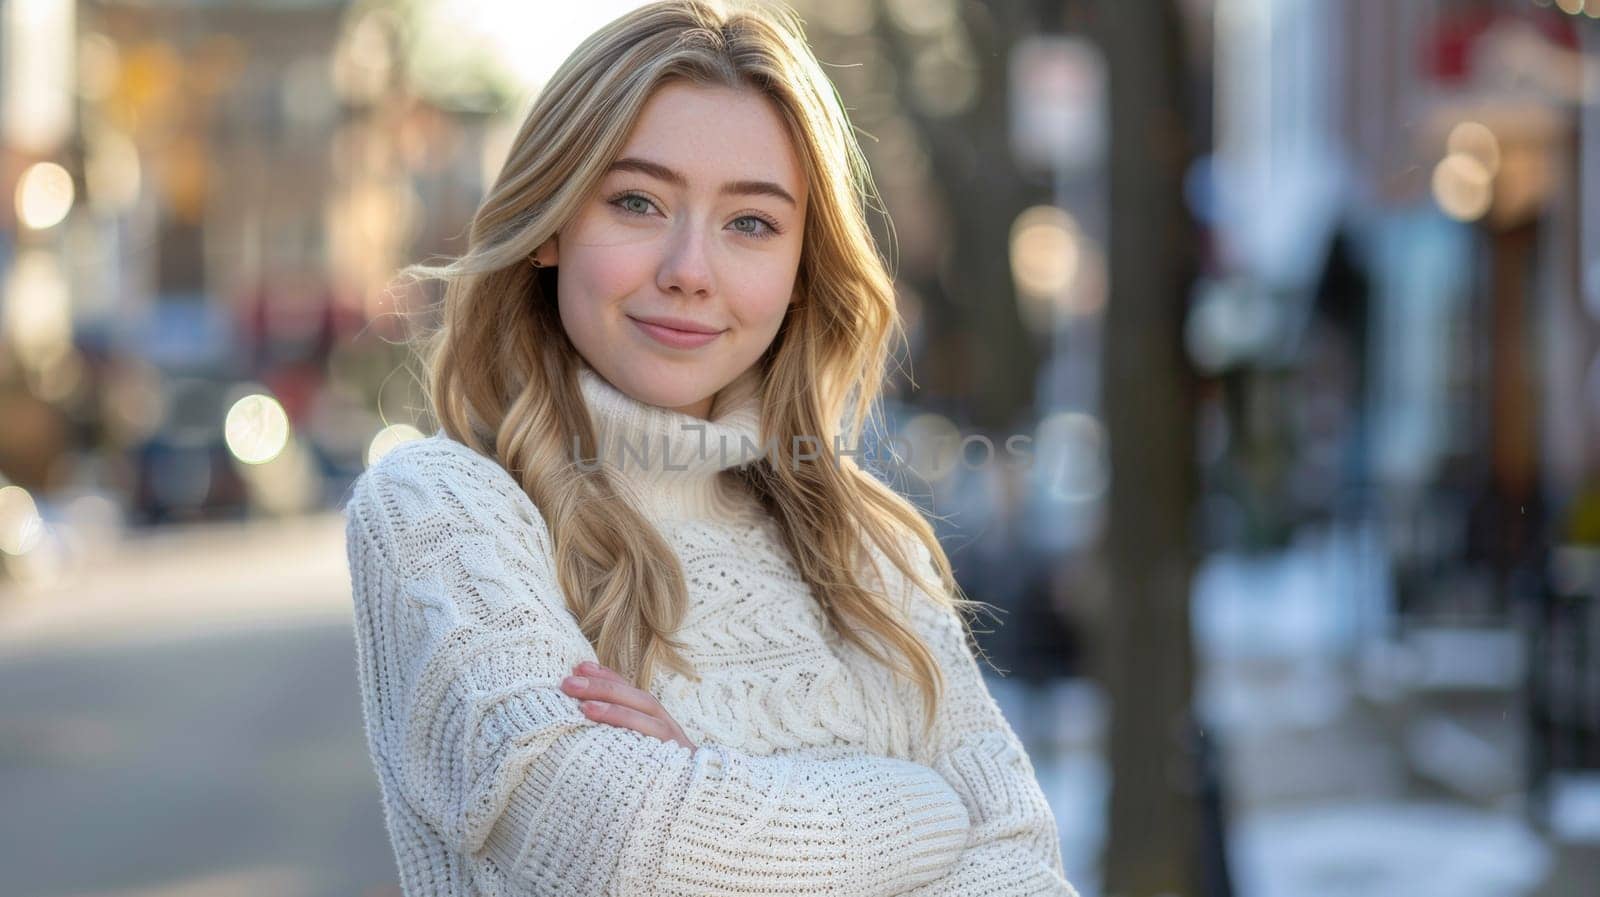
(548,254)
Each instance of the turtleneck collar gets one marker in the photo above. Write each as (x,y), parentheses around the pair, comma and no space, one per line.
(672,462)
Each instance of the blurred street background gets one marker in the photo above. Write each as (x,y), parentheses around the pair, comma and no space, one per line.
(1297,304)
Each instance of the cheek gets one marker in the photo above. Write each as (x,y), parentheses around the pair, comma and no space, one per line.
(762,294)
(593,279)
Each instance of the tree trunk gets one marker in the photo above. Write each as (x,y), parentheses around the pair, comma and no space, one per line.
(1156,822)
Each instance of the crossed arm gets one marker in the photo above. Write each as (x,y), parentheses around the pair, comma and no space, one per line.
(461,677)
(1013,847)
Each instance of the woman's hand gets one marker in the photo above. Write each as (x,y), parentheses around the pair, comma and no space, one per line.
(609,698)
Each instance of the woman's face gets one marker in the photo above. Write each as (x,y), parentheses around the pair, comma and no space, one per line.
(699,224)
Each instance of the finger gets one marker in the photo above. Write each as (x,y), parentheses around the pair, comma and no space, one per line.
(627,718)
(590,668)
(621,693)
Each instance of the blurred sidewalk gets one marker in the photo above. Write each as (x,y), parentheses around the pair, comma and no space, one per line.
(1362,758)
(184,720)
(185,580)
(1355,764)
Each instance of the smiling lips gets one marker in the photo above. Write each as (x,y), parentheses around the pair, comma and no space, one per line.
(676,333)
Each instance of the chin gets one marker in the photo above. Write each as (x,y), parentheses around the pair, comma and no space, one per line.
(670,385)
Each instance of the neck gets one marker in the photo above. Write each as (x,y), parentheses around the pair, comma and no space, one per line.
(672,463)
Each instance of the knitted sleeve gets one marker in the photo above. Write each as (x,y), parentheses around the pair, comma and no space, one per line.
(1014,848)
(464,640)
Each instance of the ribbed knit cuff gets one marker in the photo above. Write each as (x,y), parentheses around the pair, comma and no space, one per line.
(910,826)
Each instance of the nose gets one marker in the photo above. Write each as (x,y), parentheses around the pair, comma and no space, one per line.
(686,268)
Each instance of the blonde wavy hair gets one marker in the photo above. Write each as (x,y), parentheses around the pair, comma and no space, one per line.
(500,374)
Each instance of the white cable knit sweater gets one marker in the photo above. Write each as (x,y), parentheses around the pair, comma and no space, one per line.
(810,775)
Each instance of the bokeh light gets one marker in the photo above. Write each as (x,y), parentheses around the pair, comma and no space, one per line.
(37,316)
(21,527)
(99,65)
(363,68)
(1476,140)
(112,171)
(944,77)
(256,429)
(51,561)
(37,109)
(1044,261)
(1462,187)
(44,195)
(921,17)
(133,402)
(388,438)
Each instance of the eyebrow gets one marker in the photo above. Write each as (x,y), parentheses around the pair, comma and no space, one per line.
(732,188)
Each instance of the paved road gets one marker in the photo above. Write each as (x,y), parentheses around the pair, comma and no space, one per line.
(184,720)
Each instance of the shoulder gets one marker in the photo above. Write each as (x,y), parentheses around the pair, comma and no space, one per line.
(885,577)
(433,489)
(932,615)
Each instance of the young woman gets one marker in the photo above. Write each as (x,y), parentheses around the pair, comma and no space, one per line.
(633,621)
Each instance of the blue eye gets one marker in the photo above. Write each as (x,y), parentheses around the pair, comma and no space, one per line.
(771,228)
(620,202)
